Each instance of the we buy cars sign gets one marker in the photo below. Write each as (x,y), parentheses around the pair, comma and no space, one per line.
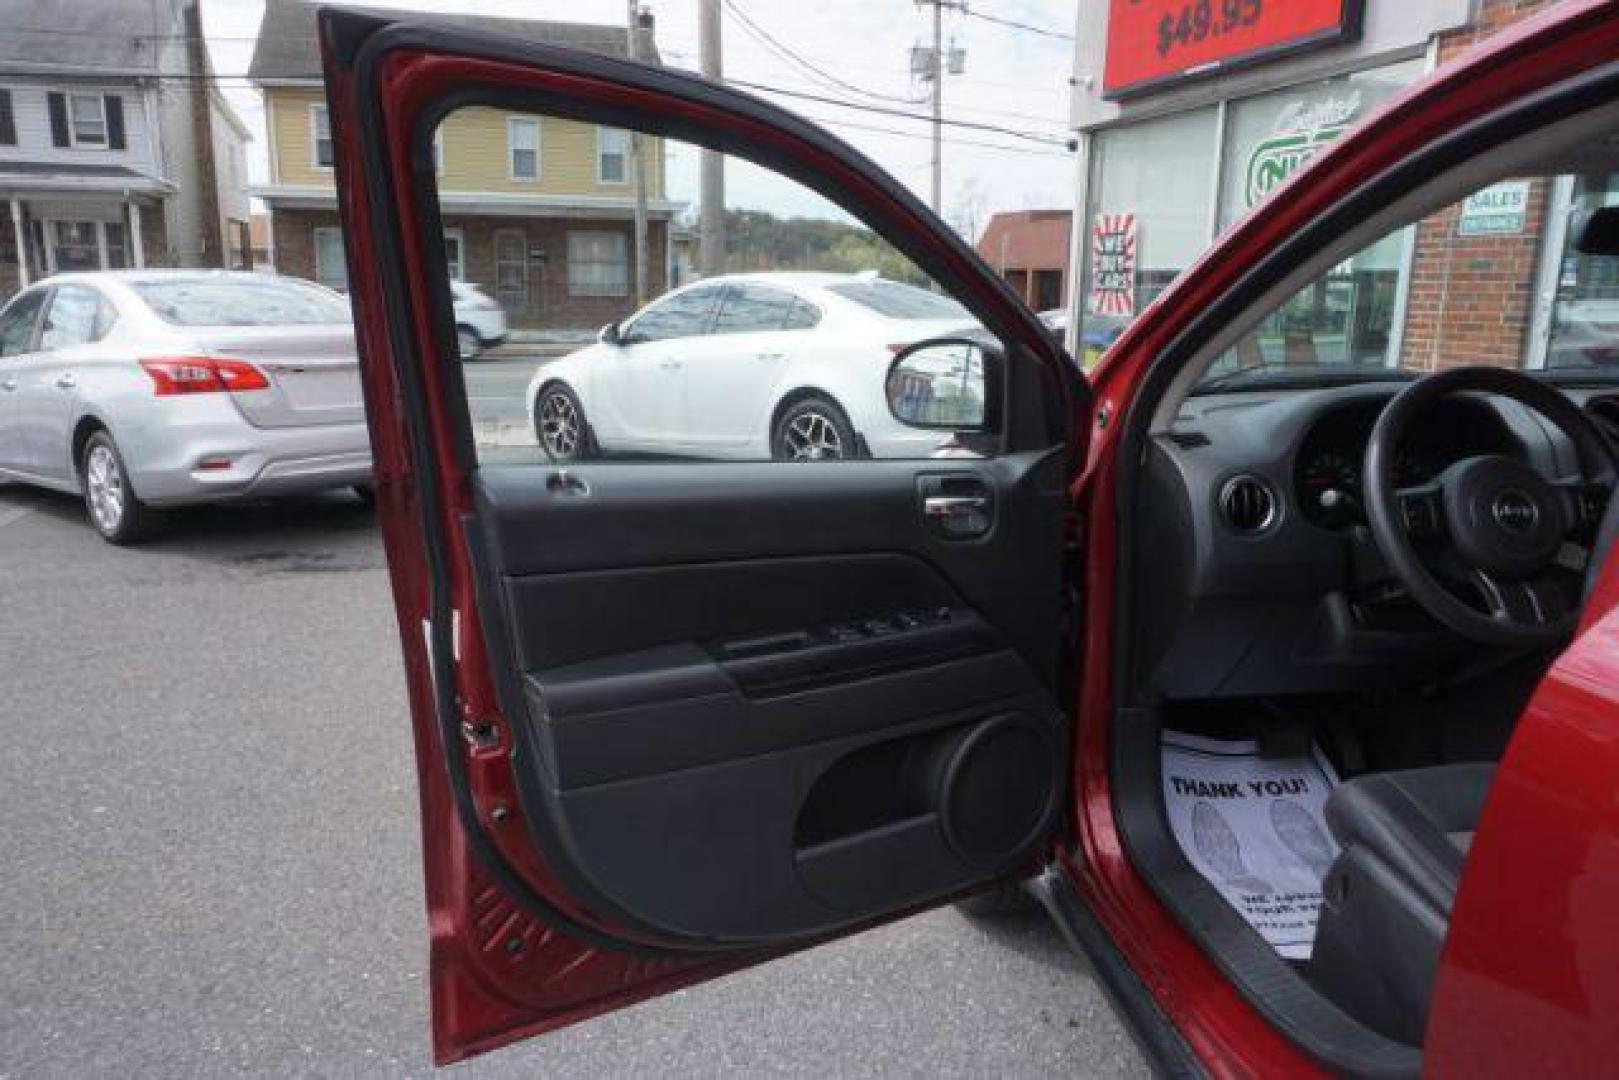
(1151,43)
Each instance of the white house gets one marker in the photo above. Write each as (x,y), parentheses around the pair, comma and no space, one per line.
(115,149)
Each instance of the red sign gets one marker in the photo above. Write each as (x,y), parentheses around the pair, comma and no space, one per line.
(1153,42)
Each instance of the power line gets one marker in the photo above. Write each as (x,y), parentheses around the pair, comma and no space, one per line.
(1016,25)
(686,59)
(855,125)
(247,81)
(970,125)
(763,36)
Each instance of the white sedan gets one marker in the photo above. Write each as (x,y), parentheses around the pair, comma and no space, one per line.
(789,366)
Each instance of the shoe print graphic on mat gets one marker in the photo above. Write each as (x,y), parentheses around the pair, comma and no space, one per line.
(1302,836)
(1219,847)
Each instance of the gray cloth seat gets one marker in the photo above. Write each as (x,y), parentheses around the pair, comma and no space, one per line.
(1387,897)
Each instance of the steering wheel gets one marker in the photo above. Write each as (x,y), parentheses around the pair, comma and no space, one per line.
(1490,547)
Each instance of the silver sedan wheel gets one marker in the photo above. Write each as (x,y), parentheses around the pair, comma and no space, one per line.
(812,436)
(104,488)
(467,343)
(562,429)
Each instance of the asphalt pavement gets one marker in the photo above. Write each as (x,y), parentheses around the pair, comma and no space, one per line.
(211,859)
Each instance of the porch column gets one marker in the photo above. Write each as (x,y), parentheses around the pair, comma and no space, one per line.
(138,254)
(22,244)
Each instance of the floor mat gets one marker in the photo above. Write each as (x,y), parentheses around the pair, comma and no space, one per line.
(1254,828)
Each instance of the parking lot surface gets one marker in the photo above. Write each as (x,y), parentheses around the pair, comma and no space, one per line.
(211,852)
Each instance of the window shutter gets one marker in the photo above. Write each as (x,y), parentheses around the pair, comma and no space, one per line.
(115,121)
(8,121)
(58,106)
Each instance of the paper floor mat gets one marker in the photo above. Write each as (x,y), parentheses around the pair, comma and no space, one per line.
(1254,828)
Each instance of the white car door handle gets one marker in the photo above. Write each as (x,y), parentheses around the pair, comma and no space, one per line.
(771,355)
(8,384)
(669,365)
(66,382)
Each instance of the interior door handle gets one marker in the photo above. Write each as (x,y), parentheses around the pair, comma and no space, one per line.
(958,516)
(66,382)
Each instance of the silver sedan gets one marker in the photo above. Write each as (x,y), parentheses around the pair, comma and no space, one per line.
(159,388)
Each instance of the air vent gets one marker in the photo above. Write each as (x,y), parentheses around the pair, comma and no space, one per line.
(1248,504)
(1191,440)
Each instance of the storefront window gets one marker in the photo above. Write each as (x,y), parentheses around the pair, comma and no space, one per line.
(1584,327)
(1150,210)
(1470,293)
(1270,137)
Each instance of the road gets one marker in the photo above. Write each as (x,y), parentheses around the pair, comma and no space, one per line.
(211,851)
(497,394)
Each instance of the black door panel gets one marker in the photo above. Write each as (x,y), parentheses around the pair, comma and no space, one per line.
(633,517)
(761,701)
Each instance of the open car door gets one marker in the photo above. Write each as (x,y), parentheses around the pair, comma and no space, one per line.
(676,717)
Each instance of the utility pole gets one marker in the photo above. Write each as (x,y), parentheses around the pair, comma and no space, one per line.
(931,65)
(938,107)
(639,29)
(711,220)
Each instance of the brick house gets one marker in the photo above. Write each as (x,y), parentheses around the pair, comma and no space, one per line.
(537,210)
(1029,249)
(114,149)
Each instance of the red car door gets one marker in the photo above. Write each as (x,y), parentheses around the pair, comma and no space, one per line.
(674,720)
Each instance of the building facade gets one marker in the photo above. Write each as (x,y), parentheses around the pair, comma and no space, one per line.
(1029,249)
(115,150)
(537,210)
(1180,136)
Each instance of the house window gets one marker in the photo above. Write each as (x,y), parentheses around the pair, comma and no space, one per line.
(523,140)
(8,120)
(455,254)
(612,155)
(598,264)
(320,126)
(330,269)
(511,270)
(117,250)
(88,114)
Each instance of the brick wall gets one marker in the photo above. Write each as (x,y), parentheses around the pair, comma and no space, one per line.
(294,239)
(547,302)
(1471,297)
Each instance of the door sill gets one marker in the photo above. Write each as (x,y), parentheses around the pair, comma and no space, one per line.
(1159,1042)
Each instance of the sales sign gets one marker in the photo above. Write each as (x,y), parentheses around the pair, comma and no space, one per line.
(1152,43)
(1498,210)
(1113,265)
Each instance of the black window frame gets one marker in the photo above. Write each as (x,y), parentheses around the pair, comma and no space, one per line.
(37,297)
(715,289)
(786,298)
(99,323)
(8,118)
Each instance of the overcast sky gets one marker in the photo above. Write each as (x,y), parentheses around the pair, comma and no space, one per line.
(1015,79)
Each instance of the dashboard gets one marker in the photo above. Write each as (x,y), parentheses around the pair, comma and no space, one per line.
(1253,567)
(1327,479)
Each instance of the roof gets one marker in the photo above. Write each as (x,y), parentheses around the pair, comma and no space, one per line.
(41,35)
(42,176)
(1026,240)
(287,49)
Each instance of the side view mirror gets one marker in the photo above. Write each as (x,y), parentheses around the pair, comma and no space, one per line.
(610,335)
(943,384)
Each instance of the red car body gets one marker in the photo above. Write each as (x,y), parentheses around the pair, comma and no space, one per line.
(1530,974)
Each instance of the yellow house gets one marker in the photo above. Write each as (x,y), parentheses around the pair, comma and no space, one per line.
(537,210)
